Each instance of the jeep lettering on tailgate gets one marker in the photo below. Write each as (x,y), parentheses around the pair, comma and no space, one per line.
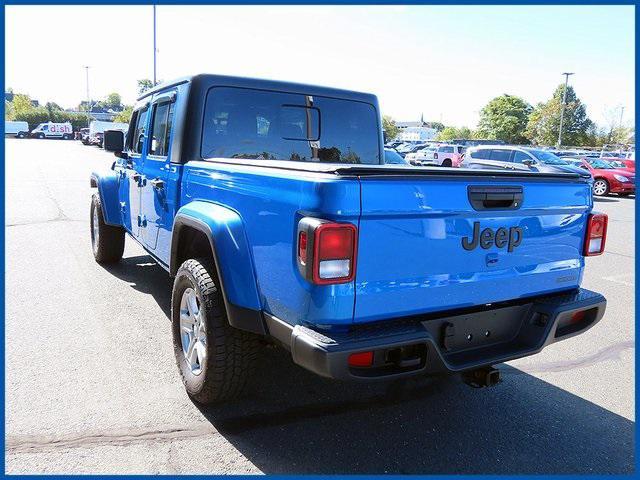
(499,238)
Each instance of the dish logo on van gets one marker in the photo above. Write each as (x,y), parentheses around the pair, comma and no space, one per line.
(502,237)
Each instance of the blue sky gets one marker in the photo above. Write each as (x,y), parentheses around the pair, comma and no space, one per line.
(443,61)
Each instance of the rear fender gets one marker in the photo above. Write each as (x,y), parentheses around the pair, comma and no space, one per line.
(225,231)
(107,184)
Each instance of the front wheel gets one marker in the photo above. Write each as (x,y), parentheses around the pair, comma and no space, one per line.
(215,360)
(107,241)
(600,187)
(41,136)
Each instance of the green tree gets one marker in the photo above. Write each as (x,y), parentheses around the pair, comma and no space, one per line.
(544,122)
(449,133)
(504,118)
(22,104)
(9,113)
(125,115)
(144,85)
(439,126)
(114,100)
(389,127)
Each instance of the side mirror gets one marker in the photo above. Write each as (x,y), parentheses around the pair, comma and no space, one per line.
(114,141)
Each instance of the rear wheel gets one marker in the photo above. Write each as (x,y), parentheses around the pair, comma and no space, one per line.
(447,162)
(215,360)
(66,136)
(21,135)
(600,187)
(107,241)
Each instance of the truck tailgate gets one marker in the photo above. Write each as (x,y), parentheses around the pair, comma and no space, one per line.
(423,246)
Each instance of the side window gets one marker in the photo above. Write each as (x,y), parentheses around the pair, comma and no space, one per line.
(161,129)
(138,140)
(500,155)
(447,149)
(480,154)
(45,128)
(519,157)
(131,132)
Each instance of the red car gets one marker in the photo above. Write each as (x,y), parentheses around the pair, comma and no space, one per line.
(606,178)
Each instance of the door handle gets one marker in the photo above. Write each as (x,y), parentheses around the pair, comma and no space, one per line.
(157,183)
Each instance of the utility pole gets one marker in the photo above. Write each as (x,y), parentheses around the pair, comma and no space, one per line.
(564,104)
(86,67)
(621,114)
(154,45)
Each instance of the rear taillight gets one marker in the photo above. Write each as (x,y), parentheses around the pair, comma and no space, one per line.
(435,155)
(326,251)
(596,234)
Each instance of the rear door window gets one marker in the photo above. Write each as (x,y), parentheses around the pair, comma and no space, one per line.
(161,129)
(264,125)
(500,155)
(480,154)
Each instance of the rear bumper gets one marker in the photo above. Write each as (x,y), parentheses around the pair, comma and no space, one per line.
(446,343)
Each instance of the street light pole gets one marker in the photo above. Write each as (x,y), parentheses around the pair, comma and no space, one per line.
(86,67)
(154,45)
(564,104)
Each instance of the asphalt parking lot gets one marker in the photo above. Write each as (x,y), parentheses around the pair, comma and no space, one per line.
(92,387)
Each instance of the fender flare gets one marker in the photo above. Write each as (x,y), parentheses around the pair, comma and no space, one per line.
(107,184)
(225,232)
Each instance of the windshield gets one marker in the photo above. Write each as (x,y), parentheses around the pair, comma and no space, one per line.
(598,163)
(392,157)
(547,157)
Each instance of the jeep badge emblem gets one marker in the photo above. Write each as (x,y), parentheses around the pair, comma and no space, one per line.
(500,238)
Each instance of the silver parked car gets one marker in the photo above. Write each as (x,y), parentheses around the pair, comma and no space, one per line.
(498,157)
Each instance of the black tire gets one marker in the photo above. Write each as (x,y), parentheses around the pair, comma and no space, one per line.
(602,186)
(66,136)
(447,162)
(109,246)
(230,353)
(21,135)
(41,136)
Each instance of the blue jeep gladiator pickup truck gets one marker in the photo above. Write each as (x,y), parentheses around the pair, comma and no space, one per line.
(270,205)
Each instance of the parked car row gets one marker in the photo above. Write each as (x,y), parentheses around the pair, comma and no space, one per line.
(93,135)
(615,176)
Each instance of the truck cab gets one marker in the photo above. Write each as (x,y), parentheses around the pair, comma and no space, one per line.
(270,205)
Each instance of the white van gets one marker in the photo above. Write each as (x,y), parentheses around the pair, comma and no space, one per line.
(16,129)
(97,129)
(53,130)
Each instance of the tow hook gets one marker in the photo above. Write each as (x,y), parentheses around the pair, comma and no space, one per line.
(482,377)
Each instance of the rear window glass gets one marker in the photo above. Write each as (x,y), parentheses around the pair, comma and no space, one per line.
(263,125)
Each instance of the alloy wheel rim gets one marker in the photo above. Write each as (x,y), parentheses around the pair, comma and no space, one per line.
(599,187)
(95,228)
(193,336)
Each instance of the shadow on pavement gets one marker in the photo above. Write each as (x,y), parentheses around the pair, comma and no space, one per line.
(146,276)
(295,422)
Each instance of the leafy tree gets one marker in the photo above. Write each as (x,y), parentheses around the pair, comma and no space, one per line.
(114,100)
(389,127)
(439,126)
(144,85)
(449,133)
(22,104)
(125,115)
(504,118)
(9,113)
(544,121)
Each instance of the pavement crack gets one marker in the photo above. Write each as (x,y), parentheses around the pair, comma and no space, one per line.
(610,353)
(59,218)
(29,443)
